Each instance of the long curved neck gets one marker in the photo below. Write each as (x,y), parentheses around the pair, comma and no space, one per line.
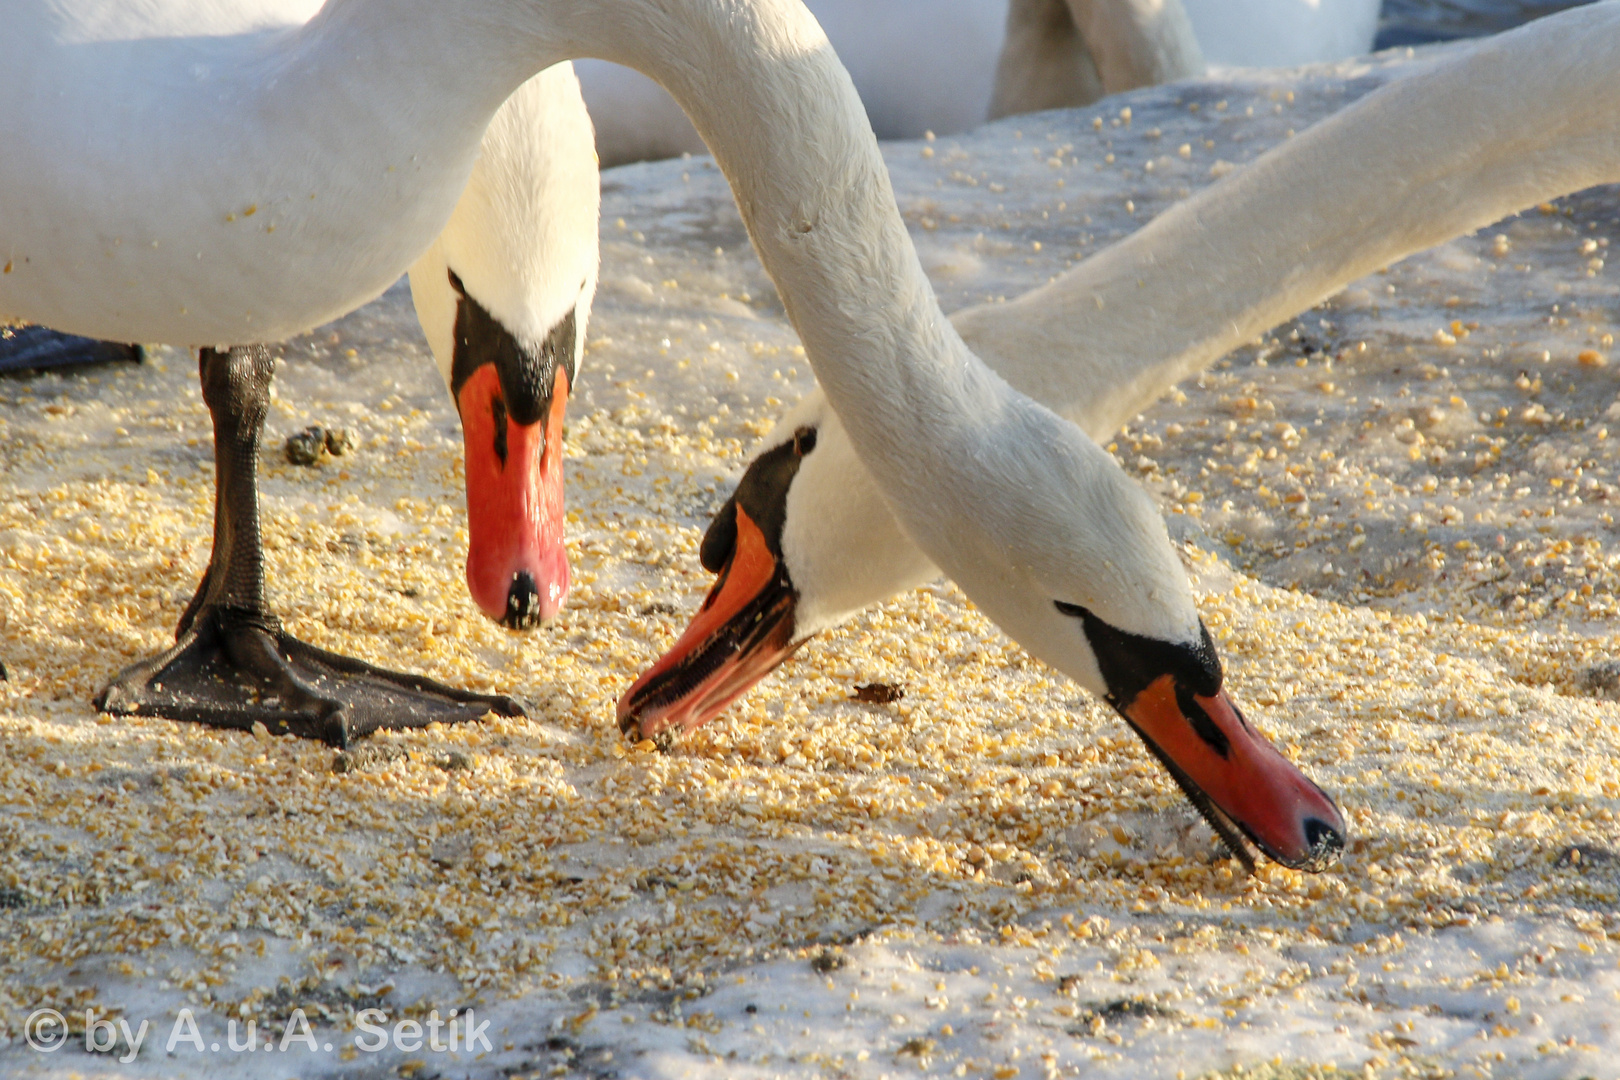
(1522,118)
(786,126)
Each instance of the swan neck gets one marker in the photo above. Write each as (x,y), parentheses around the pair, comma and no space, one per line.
(409,63)
(1440,152)
(785,125)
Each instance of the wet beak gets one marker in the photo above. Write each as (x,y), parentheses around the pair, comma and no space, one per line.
(742,631)
(517,566)
(1236,778)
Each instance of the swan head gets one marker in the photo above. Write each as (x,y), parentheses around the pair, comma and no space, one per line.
(503,296)
(1104,599)
(510,389)
(511,395)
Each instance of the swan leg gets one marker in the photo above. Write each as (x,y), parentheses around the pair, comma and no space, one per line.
(232,665)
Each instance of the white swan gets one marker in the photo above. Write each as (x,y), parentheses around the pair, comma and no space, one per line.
(503,295)
(936,65)
(506,270)
(350,139)
(807,539)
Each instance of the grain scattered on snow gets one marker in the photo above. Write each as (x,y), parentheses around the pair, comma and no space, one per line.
(1397,509)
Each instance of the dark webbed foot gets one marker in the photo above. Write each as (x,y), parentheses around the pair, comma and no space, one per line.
(233,673)
(34,348)
(232,665)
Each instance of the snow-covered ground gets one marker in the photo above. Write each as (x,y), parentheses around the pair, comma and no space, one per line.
(1398,511)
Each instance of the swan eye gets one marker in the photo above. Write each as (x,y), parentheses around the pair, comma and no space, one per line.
(804,441)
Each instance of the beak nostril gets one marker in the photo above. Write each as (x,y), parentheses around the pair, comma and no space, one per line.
(1325,842)
(522,602)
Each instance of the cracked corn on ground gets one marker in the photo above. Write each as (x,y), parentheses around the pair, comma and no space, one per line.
(1397,508)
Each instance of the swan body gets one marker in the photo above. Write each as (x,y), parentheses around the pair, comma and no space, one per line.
(210,157)
(1440,153)
(350,139)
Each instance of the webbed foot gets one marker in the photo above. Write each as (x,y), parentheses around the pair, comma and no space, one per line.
(227,670)
(34,348)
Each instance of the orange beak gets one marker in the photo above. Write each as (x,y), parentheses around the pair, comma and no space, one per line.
(517,566)
(1235,777)
(742,631)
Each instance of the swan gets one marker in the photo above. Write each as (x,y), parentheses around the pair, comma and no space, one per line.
(507,268)
(808,539)
(944,65)
(503,295)
(350,139)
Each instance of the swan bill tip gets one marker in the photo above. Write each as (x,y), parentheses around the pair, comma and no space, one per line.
(1239,782)
(526,607)
(744,629)
(1325,843)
